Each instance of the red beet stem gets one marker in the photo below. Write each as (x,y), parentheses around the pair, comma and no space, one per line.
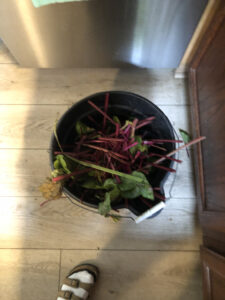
(116,176)
(195,141)
(124,145)
(166,141)
(105,109)
(147,119)
(96,141)
(102,112)
(44,202)
(111,139)
(106,150)
(140,164)
(161,148)
(145,122)
(130,146)
(136,156)
(167,157)
(119,159)
(109,159)
(66,176)
(127,129)
(163,168)
(147,142)
(117,129)
(157,195)
(146,202)
(93,120)
(80,142)
(156,188)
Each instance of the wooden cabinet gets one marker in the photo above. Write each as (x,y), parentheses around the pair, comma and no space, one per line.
(207,91)
(213,275)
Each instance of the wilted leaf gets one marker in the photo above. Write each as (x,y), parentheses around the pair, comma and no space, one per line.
(115,218)
(139,146)
(62,163)
(114,193)
(112,187)
(51,190)
(185,136)
(82,128)
(57,172)
(105,206)
(116,119)
(127,122)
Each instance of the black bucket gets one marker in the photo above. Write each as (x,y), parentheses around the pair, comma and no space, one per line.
(125,105)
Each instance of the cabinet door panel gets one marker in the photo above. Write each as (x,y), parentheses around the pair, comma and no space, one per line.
(213,275)
(207,79)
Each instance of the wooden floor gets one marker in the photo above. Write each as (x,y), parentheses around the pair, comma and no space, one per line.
(157,259)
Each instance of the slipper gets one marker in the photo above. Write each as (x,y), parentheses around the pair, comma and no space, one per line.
(79,281)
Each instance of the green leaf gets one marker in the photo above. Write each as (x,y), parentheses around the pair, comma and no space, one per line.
(147,192)
(97,174)
(126,185)
(133,190)
(109,184)
(105,206)
(145,188)
(132,194)
(140,175)
(112,187)
(116,119)
(82,128)
(114,193)
(91,183)
(185,136)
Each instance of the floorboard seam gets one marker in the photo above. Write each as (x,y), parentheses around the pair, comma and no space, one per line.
(60,260)
(102,249)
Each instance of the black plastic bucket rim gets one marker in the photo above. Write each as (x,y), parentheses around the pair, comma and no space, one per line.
(84,100)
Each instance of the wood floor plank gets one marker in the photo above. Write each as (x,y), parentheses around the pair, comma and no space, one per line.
(5,56)
(64,86)
(29,274)
(25,170)
(60,224)
(30,126)
(140,275)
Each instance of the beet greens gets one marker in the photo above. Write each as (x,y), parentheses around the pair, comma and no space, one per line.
(112,159)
